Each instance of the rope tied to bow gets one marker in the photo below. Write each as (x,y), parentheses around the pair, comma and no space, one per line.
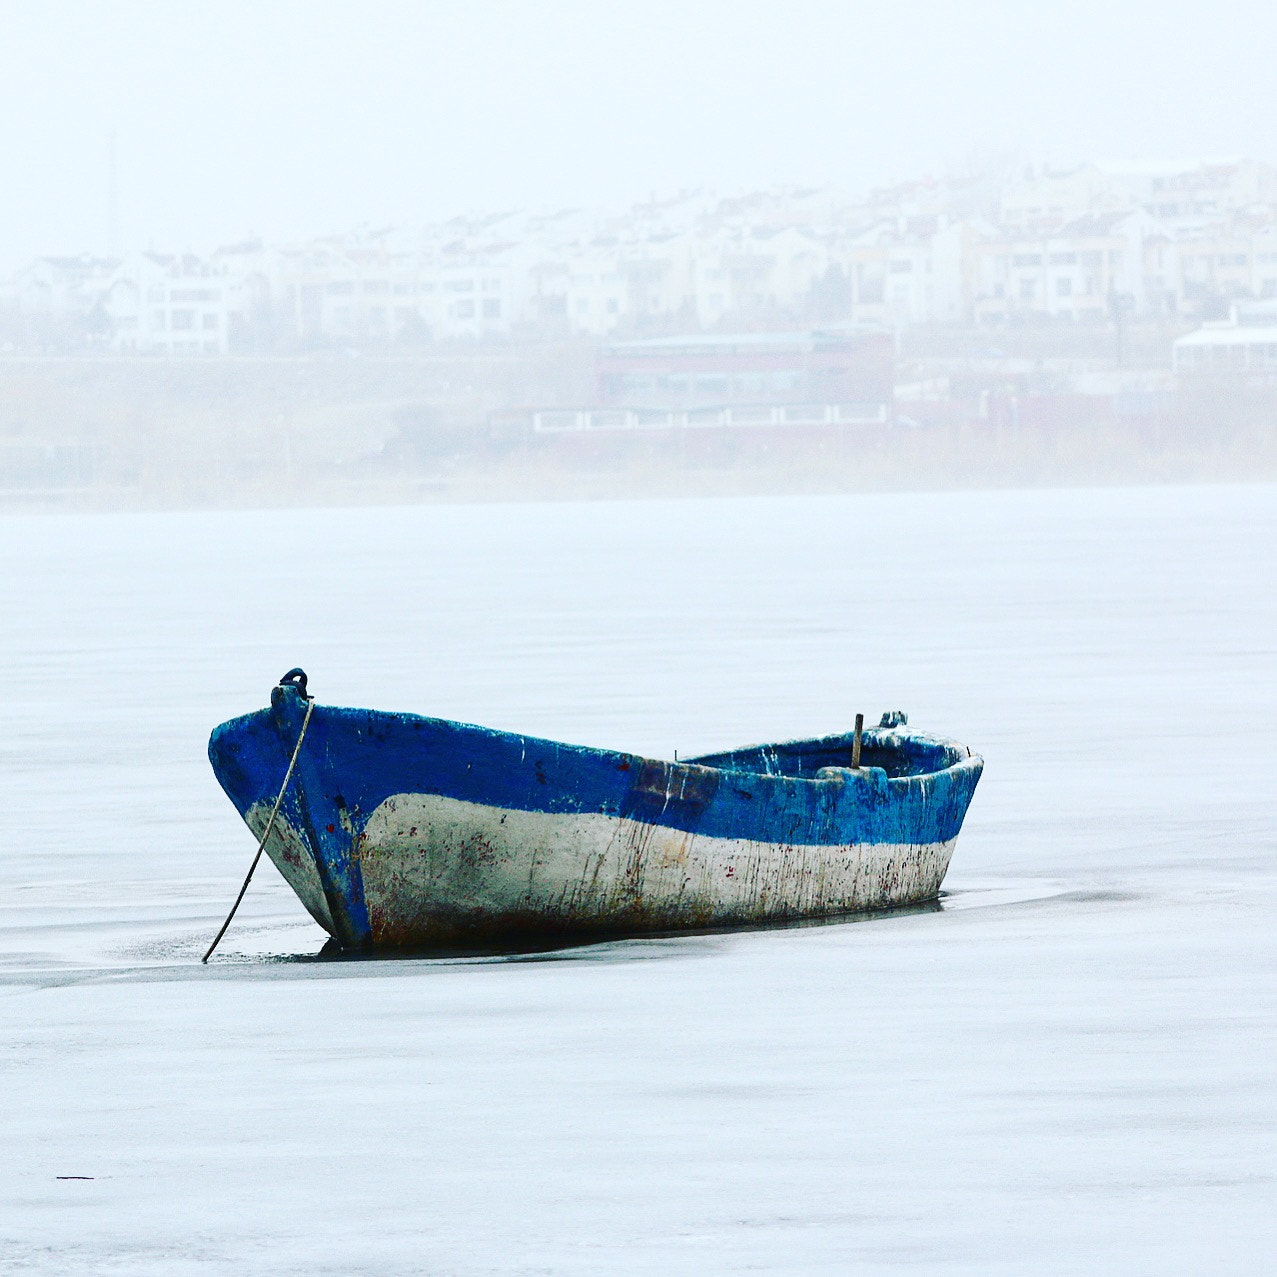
(270,824)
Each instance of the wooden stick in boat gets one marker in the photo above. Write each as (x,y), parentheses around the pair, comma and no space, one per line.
(855,741)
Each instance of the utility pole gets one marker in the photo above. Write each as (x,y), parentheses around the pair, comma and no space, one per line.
(112,199)
(1119,304)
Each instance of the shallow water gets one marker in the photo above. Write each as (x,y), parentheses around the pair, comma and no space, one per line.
(1067,1068)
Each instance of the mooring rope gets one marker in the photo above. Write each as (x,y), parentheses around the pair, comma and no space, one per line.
(270,824)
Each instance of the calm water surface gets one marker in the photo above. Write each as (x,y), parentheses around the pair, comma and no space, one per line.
(1070,1070)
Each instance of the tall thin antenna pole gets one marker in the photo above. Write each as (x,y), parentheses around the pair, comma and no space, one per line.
(112,198)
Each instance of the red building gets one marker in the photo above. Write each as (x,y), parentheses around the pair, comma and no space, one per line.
(831,367)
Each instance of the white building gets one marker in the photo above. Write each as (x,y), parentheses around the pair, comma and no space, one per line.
(175,304)
(908,271)
(59,299)
(745,271)
(1243,344)
(1079,270)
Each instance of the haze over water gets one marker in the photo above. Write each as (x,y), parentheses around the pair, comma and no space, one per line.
(1067,1069)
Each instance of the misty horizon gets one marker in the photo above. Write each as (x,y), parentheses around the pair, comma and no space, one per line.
(294,121)
(845,200)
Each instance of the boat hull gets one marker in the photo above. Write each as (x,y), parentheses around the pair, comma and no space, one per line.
(401,832)
(438,871)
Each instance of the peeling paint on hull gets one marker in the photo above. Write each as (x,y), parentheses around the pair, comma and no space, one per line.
(403,832)
(439,871)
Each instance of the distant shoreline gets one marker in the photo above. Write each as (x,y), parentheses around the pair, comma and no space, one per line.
(161,435)
(926,461)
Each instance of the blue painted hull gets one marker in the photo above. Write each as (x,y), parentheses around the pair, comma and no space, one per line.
(404,831)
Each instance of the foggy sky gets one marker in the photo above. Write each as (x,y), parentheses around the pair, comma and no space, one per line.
(288,118)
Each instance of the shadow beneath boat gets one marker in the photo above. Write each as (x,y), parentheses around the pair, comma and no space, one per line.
(564,946)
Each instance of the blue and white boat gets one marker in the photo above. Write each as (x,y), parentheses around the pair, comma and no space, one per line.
(400,831)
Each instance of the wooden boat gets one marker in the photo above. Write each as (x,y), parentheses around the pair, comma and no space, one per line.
(400,831)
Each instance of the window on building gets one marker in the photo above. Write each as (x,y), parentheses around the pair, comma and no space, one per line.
(870,290)
(157,319)
(901,266)
(376,286)
(1063,259)
(492,308)
(463,309)
(1028,287)
(613,305)
(1027,259)
(341,288)
(210,321)
(183,319)
(582,305)
(1064,288)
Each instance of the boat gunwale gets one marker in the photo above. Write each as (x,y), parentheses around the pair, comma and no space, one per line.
(962,757)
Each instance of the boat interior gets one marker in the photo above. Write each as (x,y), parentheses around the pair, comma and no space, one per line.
(804,760)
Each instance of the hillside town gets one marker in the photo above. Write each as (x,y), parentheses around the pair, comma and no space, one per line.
(1173,244)
(1041,326)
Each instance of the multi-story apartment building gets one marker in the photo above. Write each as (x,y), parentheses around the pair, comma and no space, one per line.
(1080,270)
(753,273)
(380,293)
(57,301)
(909,271)
(1182,193)
(179,303)
(1037,199)
(1227,260)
